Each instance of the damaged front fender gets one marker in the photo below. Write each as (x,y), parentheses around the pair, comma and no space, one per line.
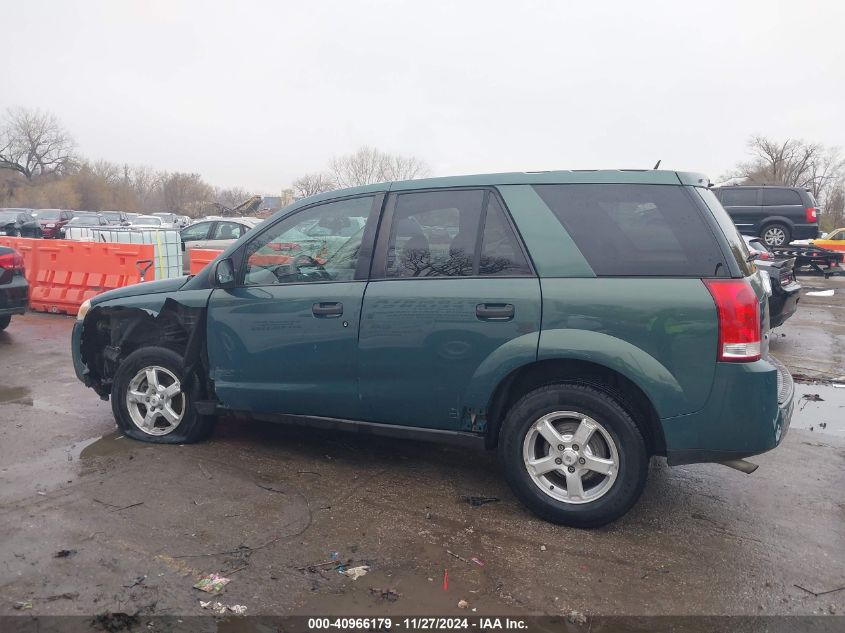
(115,328)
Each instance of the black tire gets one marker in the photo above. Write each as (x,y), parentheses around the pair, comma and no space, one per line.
(776,234)
(630,476)
(4,321)
(191,428)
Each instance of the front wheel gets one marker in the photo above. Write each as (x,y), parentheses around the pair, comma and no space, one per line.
(153,399)
(4,321)
(573,455)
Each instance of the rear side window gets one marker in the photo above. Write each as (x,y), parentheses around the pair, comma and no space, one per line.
(739,197)
(452,233)
(636,230)
(774,197)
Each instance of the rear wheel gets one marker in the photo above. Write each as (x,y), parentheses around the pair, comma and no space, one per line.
(4,321)
(153,399)
(776,234)
(573,455)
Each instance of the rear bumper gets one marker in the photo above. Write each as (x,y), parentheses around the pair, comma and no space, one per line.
(14,296)
(805,231)
(783,303)
(748,413)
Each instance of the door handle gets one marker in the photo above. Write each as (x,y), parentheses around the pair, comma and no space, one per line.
(494,311)
(327,309)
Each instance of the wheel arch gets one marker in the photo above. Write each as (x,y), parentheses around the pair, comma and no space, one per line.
(578,371)
(113,332)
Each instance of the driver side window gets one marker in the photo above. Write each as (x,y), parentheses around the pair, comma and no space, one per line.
(320,243)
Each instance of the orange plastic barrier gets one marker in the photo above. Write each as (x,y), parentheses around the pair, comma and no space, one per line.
(63,274)
(201,257)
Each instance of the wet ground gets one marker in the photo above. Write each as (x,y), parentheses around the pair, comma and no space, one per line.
(93,521)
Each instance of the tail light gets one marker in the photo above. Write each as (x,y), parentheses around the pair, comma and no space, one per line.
(811,214)
(12,261)
(739,319)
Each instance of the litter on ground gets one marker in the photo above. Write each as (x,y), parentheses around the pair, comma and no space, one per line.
(212,583)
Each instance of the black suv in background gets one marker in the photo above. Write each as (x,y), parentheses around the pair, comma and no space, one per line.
(777,215)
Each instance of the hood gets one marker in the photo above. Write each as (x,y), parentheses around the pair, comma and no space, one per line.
(145,288)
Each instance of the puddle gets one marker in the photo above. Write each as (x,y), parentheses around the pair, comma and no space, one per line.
(57,467)
(826,416)
(105,446)
(18,395)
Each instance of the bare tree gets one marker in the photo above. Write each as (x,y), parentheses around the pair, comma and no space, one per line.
(792,163)
(312,184)
(369,165)
(231,197)
(34,143)
(184,193)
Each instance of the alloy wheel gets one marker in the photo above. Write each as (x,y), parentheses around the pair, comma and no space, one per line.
(571,457)
(155,400)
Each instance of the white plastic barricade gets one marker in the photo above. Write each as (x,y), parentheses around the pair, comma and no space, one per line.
(168,245)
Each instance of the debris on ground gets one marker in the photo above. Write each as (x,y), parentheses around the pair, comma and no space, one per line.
(113,622)
(463,604)
(20,606)
(64,553)
(477,561)
(479,501)
(542,548)
(813,397)
(445,580)
(220,609)
(460,558)
(67,595)
(356,572)
(212,583)
(820,293)
(819,593)
(135,582)
(385,594)
(576,617)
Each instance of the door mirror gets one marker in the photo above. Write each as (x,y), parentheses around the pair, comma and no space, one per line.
(224,273)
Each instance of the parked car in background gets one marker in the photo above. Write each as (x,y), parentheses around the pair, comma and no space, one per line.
(782,286)
(214,233)
(833,241)
(777,215)
(52,221)
(131,217)
(577,322)
(118,218)
(14,290)
(168,220)
(84,219)
(148,221)
(19,223)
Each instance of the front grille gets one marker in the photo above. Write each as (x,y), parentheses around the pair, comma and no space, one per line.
(785,384)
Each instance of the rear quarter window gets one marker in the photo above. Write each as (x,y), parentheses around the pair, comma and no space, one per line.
(776,197)
(626,230)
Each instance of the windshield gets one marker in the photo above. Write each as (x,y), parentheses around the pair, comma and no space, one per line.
(86,220)
(112,215)
(148,219)
(47,214)
(8,216)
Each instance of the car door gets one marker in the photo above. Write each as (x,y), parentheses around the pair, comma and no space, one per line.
(194,236)
(743,205)
(450,285)
(285,340)
(223,234)
(834,241)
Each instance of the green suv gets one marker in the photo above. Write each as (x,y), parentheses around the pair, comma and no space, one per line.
(578,322)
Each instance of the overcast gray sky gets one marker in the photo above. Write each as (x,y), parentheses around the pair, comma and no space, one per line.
(254,94)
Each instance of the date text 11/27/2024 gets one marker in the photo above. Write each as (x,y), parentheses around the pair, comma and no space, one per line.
(417,623)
